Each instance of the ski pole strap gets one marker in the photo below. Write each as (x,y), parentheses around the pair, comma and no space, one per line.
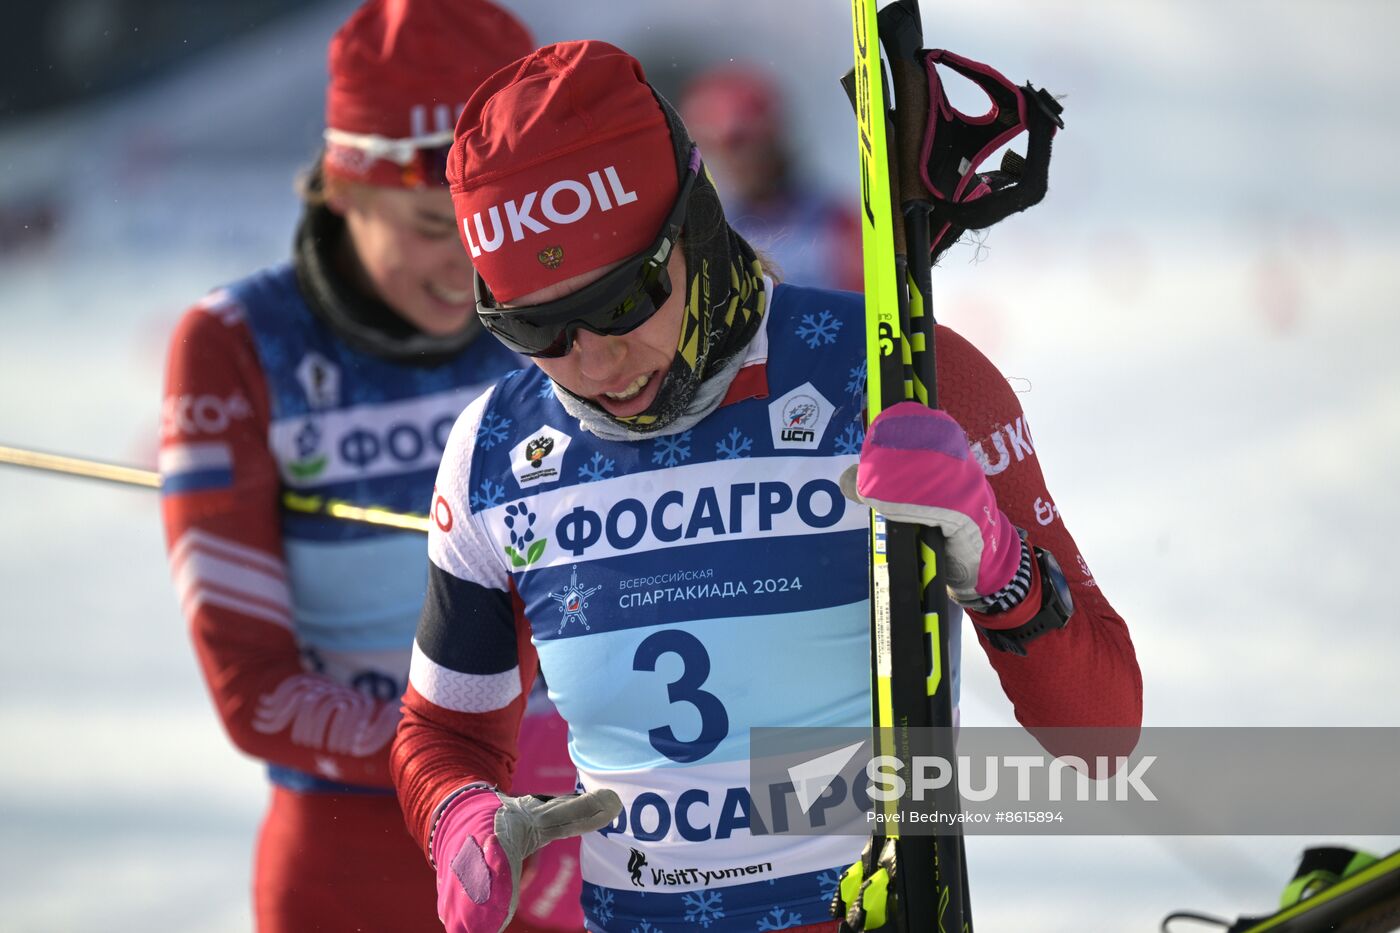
(956,144)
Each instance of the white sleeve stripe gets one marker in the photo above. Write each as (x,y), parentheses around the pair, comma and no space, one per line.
(465,551)
(462,693)
(446,557)
(228,549)
(191,601)
(204,455)
(200,567)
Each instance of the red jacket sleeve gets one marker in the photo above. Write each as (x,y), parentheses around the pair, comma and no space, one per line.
(438,750)
(1085,674)
(220,504)
(473,661)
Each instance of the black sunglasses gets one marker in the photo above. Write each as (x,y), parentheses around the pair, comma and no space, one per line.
(616,304)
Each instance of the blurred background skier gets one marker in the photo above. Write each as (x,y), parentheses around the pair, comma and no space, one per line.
(738,116)
(337,375)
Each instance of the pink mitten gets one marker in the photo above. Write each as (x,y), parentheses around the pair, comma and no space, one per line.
(915,467)
(482,839)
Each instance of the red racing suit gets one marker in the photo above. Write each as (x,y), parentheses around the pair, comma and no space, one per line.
(303,626)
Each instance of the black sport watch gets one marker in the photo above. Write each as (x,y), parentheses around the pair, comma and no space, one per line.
(1056,606)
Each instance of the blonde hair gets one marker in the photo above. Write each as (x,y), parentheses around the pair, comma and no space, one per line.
(768,264)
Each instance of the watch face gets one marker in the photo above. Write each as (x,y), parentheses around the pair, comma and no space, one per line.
(1054,577)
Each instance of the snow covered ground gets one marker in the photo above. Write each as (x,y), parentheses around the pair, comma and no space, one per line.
(1202,316)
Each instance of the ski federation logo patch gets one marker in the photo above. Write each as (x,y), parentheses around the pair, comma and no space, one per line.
(539,457)
(799,418)
(573,600)
(320,380)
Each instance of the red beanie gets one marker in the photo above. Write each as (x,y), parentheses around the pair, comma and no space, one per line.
(400,73)
(563,163)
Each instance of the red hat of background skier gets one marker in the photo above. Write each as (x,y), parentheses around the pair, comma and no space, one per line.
(400,72)
(563,163)
(733,102)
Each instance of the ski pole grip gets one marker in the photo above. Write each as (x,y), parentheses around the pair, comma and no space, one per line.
(910,121)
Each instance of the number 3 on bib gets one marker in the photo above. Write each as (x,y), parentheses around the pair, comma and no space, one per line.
(695,668)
